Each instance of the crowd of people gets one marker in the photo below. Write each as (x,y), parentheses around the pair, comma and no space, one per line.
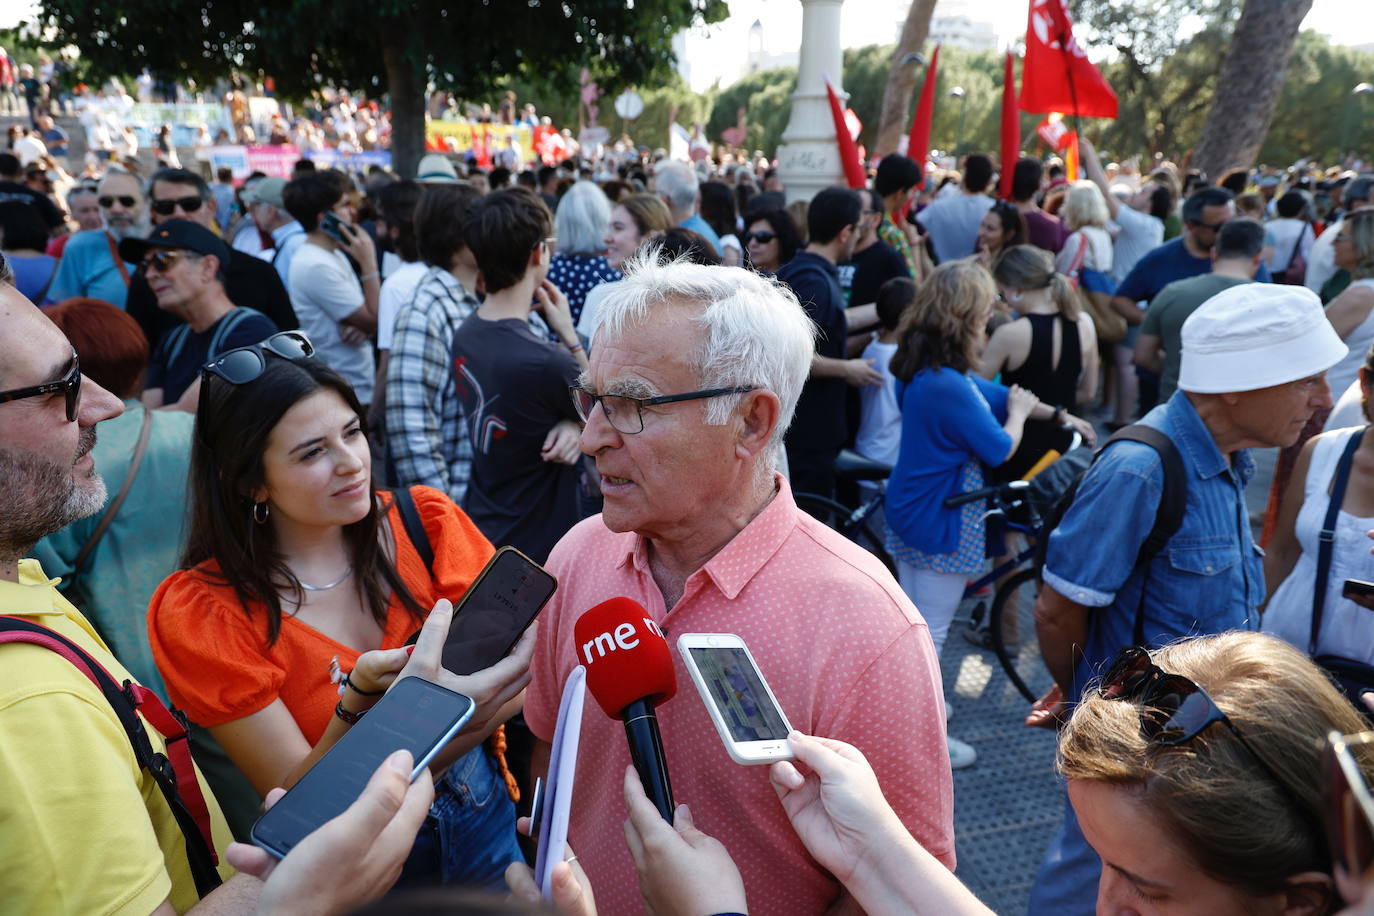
(257,436)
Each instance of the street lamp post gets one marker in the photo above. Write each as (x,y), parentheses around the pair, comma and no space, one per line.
(958,93)
(1350,103)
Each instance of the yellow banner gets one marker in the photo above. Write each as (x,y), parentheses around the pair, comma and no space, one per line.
(462,133)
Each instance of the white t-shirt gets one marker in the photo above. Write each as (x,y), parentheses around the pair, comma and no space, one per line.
(953,224)
(880,419)
(1321,259)
(1285,234)
(325,291)
(397,289)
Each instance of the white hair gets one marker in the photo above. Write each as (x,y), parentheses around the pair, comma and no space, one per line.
(677,182)
(583,216)
(1084,206)
(756,333)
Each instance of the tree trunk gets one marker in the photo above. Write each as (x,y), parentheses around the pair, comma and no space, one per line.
(1248,90)
(406,84)
(901,78)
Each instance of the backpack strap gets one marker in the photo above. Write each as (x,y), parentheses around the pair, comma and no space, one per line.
(174,772)
(415,528)
(1326,538)
(113,509)
(174,342)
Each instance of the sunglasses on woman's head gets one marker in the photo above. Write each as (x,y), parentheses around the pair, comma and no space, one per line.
(1349,805)
(243,364)
(168,206)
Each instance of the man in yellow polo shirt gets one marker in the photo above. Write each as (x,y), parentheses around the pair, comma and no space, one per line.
(83,829)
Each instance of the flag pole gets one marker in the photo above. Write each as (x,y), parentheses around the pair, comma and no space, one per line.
(1064,38)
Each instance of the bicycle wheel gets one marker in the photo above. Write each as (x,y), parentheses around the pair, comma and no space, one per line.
(836,515)
(1012,628)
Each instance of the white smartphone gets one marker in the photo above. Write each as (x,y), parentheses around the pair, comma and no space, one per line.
(748,717)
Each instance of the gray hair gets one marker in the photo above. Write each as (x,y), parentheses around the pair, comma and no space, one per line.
(756,333)
(677,182)
(583,215)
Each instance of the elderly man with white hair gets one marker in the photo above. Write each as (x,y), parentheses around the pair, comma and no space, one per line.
(676,184)
(694,375)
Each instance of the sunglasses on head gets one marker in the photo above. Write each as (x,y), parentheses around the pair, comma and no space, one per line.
(107,201)
(168,205)
(243,364)
(69,385)
(763,238)
(1349,805)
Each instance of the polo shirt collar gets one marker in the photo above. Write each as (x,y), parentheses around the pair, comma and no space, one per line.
(1195,440)
(735,564)
(32,596)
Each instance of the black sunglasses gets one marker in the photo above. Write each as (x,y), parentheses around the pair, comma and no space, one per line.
(69,384)
(164,259)
(167,206)
(243,364)
(763,238)
(1349,805)
(107,201)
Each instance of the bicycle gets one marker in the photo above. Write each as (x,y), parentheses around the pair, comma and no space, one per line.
(853,523)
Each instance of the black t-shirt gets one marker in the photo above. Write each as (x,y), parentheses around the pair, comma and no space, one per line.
(873,267)
(177,360)
(13,190)
(251,283)
(818,424)
(513,386)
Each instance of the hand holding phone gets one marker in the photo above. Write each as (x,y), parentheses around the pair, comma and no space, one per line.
(743,709)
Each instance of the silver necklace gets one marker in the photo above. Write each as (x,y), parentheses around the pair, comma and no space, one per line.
(324,588)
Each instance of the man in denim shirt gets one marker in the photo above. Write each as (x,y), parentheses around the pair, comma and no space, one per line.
(1253,372)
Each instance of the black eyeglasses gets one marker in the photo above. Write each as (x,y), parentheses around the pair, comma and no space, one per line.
(69,384)
(1174,710)
(107,201)
(626,414)
(763,238)
(243,364)
(167,206)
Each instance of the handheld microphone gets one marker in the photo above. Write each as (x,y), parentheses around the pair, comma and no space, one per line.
(629,672)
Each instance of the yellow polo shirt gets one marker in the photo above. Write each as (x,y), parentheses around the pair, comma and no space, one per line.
(83,829)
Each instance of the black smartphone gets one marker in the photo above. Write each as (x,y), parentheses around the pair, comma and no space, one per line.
(332,226)
(417,715)
(501,603)
(1357,588)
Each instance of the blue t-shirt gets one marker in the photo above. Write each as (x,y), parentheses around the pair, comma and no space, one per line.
(697,224)
(1163,265)
(31,276)
(948,417)
(88,269)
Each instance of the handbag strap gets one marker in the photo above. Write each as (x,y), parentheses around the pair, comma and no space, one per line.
(415,528)
(119,262)
(174,772)
(113,509)
(1326,538)
(1297,244)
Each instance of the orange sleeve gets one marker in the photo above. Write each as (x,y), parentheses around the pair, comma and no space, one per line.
(460,550)
(211,655)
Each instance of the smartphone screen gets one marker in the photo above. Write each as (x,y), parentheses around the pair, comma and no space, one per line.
(415,714)
(508,594)
(739,694)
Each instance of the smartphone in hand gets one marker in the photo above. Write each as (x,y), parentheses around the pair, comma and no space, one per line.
(332,226)
(743,709)
(1357,588)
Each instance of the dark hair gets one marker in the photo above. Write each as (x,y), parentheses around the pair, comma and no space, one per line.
(502,229)
(21,226)
(1361,188)
(893,298)
(1235,180)
(1161,201)
(396,203)
(498,178)
(308,195)
(545,173)
(830,211)
(224,173)
(1026,176)
(1240,238)
(180,176)
(762,201)
(717,206)
(896,173)
(1056,170)
(1012,221)
(114,352)
(1203,198)
(526,180)
(789,237)
(302,166)
(233,425)
(977,171)
(689,245)
(1291,205)
(439,221)
(9,164)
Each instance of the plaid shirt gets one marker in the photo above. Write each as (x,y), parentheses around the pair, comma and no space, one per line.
(426,437)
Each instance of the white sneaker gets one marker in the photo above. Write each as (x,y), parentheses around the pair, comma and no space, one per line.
(960,754)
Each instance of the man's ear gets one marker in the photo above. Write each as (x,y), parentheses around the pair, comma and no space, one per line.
(1309,893)
(760,411)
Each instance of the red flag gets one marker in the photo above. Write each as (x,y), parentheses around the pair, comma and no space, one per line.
(1054,132)
(849,152)
(918,142)
(1071,157)
(1011,127)
(1058,75)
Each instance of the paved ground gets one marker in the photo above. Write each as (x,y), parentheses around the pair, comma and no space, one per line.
(1009,804)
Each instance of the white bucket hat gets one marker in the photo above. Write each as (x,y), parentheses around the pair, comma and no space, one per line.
(1256,335)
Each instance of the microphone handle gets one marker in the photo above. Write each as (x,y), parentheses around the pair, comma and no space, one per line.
(646,752)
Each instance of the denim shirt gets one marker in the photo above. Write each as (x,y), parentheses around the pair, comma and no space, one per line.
(1207,579)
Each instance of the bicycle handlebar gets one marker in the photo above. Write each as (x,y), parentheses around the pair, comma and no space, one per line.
(1012,486)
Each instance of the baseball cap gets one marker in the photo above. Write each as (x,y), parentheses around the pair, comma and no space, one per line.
(1257,335)
(266,191)
(436,168)
(181,234)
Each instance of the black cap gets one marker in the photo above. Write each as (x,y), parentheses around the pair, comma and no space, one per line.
(181,234)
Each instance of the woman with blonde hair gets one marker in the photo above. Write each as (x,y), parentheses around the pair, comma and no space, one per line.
(1090,246)
(635,220)
(1050,350)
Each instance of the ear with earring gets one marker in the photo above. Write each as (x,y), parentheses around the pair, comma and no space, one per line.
(260,512)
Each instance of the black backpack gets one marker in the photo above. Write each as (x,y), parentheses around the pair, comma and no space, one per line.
(1173,503)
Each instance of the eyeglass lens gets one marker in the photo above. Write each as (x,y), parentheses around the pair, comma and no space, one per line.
(108,201)
(622,413)
(74,393)
(240,366)
(290,345)
(167,206)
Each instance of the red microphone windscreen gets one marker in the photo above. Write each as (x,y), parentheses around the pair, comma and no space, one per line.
(625,654)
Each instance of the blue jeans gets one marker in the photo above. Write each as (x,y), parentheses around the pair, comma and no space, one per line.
(1066,884)
(469,836)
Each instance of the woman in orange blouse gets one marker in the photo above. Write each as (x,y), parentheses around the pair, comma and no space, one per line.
(295,570)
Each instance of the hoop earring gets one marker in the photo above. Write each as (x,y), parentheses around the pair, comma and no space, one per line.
(261,519)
